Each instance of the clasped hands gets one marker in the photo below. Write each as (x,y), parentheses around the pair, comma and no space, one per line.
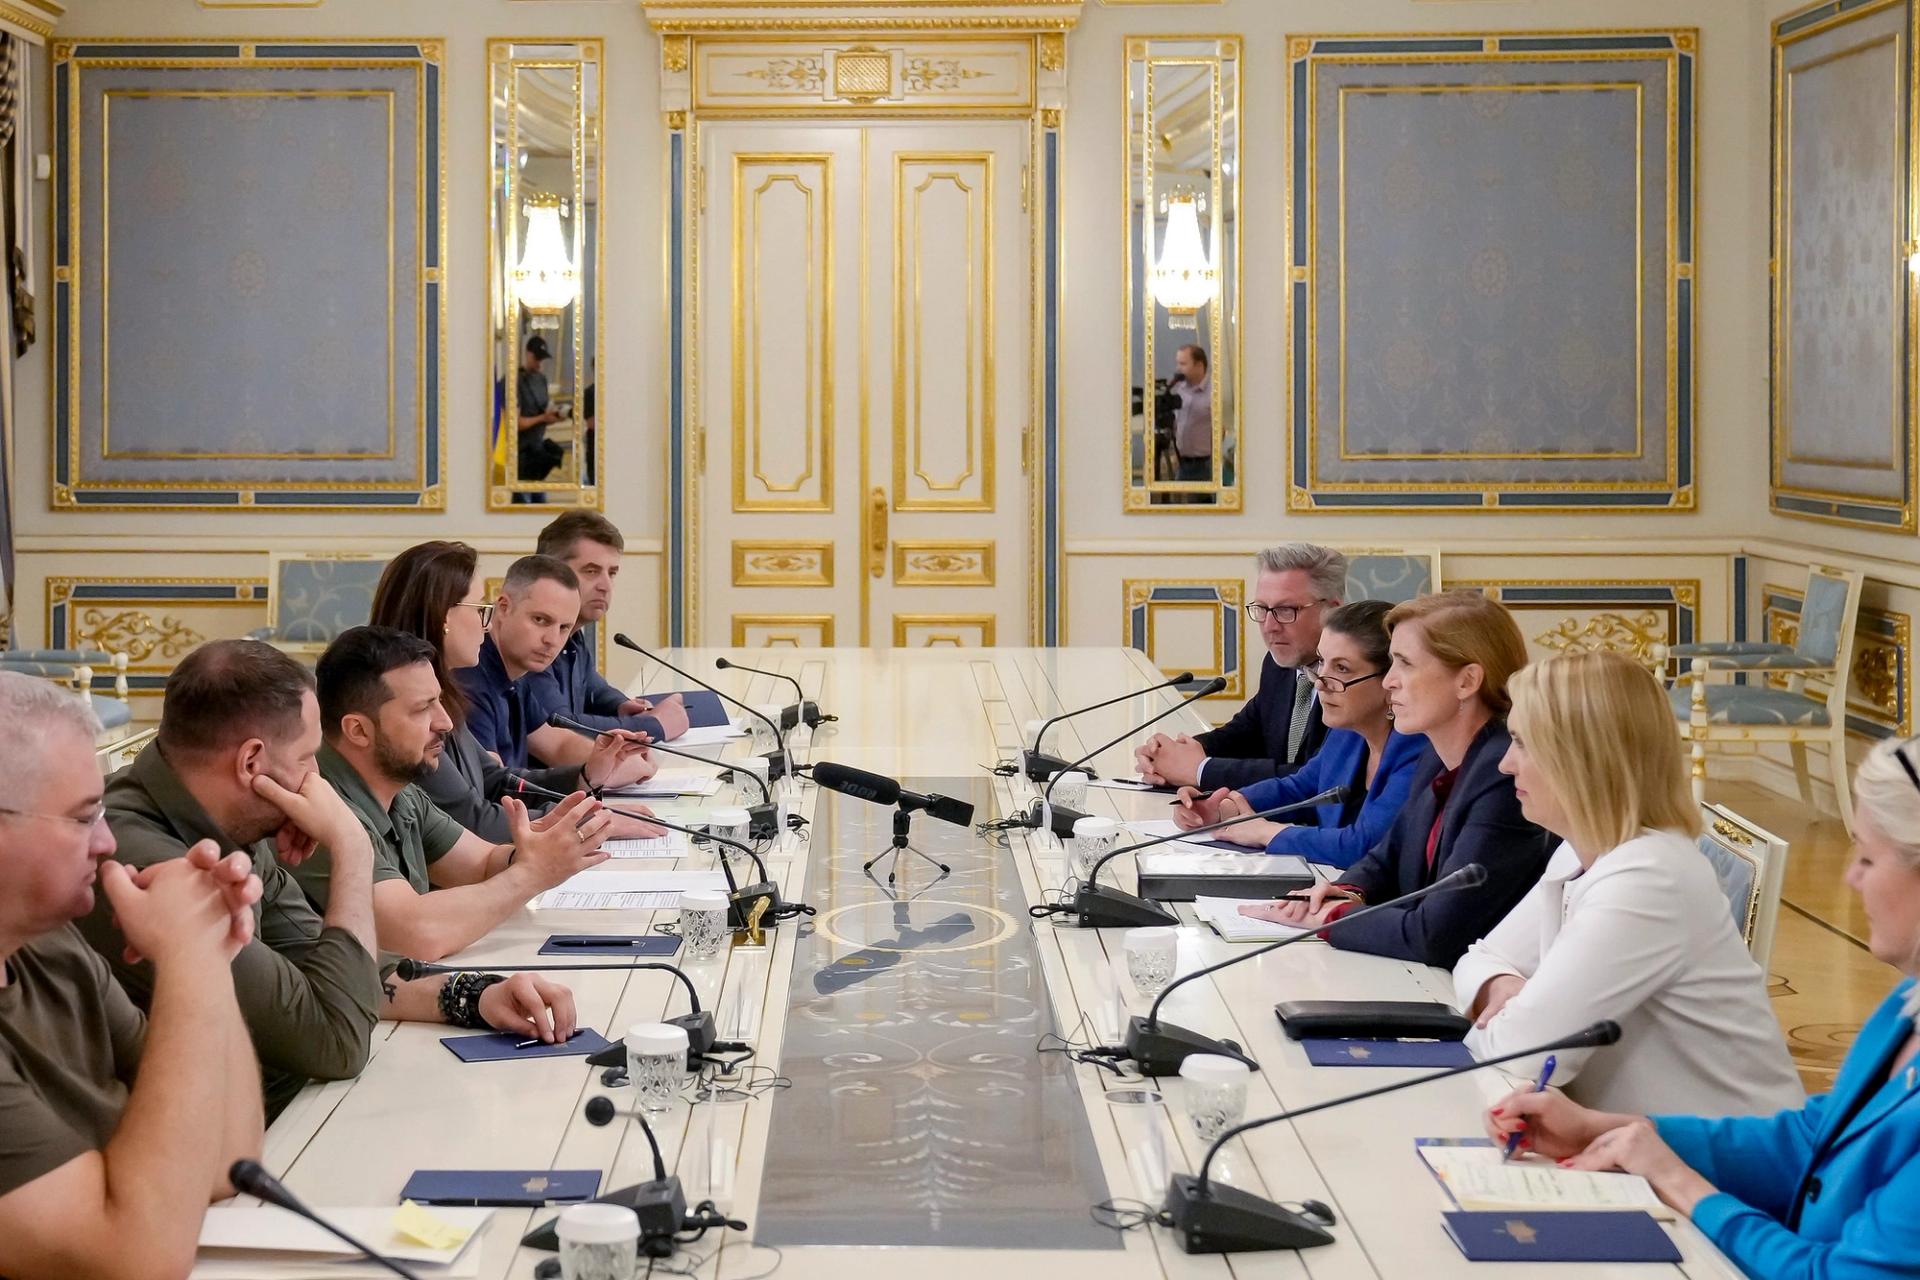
(1170,762)
(195,908)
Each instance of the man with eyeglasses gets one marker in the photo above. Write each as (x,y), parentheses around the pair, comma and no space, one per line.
(116,1128)
(1279,729)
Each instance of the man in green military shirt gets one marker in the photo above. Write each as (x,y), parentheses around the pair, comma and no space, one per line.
(234,762)
(437,887)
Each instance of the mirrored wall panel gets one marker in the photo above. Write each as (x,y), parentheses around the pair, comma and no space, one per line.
(544,273)
(1183,438)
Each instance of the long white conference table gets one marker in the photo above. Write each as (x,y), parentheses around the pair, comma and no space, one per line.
(808,1157)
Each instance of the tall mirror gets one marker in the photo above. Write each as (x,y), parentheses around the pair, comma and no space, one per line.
(1183,274)
(544,274)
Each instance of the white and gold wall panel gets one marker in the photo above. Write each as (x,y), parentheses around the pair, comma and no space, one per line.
(1189,624)
(782,562)
(1844,302)
(783,331)
(155,621)
(935,630)
(884,76)
(783,631)
(943,342)
(933,563)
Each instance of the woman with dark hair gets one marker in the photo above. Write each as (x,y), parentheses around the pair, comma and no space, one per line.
(433,590)
(1362,752)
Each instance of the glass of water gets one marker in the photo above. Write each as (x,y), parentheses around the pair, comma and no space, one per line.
(656,1063)
(728,822)
(1093,838)
(598,1242)
(1069,788)
(1216,1093)
(765,741)
(1151,957)
(703,922)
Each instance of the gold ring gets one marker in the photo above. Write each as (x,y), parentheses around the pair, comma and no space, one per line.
(580,835)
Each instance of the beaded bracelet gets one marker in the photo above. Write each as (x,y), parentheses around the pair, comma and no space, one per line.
(460,998)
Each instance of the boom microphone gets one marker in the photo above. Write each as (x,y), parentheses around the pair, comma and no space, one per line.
(251,1177)
(1038,766)
(763,819)
(777,762)
(877,788)
(1206,690)
(804,711)
(661,1204)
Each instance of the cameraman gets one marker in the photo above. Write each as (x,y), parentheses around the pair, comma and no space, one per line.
(1193,420)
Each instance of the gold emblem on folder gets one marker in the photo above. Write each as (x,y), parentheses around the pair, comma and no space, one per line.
(1519,1232)
(535,1186)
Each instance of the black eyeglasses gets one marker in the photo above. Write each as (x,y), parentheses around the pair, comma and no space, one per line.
(1900,754)
(1334,684)
(486,611)
(1284,613)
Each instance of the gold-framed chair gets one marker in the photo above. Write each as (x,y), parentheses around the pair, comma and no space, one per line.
(74,668)
(1751,864)
(1760,711)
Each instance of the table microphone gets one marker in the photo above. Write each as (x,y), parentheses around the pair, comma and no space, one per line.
(777,762)
(251,1177)
(1206,690)
(805,710)
(741,898)
(661,1204)
(1100,907)
(1214,1218)
(1038,766)
(698,1023)
(763,818)
(1159,1048)
(877,788)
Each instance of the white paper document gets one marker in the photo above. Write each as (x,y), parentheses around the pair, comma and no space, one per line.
(1223,915)
(266,1243)
(1476,1177)
(708,735)
(611,887)
(1129,783)
(671,845)
(1154,828)
(674,782)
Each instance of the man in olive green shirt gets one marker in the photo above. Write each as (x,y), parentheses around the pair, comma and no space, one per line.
(116,1129)
(437,887)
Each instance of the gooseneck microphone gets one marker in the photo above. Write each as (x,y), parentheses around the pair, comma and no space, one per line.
(1214,1218)
(1101,907)
(777,762)
(1206,690)
(1039,766)
(741,898)
(877,788)
(252,1177)
(661,1204)
(804,710)
(763,819)
(698,1023)
(1159,1048)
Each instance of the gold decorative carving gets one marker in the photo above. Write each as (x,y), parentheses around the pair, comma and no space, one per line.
(1050,117)
(782,563)
(1632,637)
(135,634)
(676,120)
(927,75)
(1876,673)
(952,630)
(943,564)
(799,75)
(1727,831)
(1053,52)
(673,53)
(863,74)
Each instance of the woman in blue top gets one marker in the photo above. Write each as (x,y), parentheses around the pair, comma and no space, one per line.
(1362,752)
(1831,1190)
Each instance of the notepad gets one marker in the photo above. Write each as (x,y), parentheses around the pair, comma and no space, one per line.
(671,845)
(668,783)
(259,1241)
(612,886)
(504,1045)
(1387,1053)
(1474,1177)
(1223,915)
(519,1188)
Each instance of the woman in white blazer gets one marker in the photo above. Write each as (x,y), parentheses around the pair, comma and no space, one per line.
(1628,922)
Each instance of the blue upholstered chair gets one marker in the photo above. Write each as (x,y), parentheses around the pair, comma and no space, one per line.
(1751,864)
(1761,711)
(75,669)
(316,597)
(1393,576)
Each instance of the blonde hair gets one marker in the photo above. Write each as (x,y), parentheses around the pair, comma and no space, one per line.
(1603,733)
(1464,628)
(1887,798)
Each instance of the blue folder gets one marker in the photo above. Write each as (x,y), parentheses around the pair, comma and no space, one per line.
(587,945)
(500,1046)
(704,708)
(510,1188)
(1605,1235)
(1387,1053)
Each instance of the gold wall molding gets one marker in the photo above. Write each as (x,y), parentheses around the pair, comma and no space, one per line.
(135,633)
(1145,604)
(934,563)
(35,17)
(937,630)
(783,630)
(1633,637)
(910,75)
(782,563)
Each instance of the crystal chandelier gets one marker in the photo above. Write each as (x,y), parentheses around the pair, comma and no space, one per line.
(1183,281)
(546,282)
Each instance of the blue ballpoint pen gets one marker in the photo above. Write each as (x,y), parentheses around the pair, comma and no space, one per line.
(1546,1074)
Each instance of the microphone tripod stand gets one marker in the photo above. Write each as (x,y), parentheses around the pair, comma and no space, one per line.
(902,843)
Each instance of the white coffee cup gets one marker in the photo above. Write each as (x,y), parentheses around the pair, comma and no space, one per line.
(598,1242)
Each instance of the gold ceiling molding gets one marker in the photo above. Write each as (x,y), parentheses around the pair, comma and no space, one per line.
(34,16)
(686,17)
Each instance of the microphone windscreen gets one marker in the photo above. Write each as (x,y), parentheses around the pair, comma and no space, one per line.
(625,641)
(409,969)
(1474,873)
(1185,677)
(1213,686)
(856,782)
(1606,1032)
(599,1110)
(722,663)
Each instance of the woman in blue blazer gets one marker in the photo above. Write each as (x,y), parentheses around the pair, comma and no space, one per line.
(1831,1190)
(1361,752)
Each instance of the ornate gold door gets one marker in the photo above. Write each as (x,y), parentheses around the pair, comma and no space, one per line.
(865,358)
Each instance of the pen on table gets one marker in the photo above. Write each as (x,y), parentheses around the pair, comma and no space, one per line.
(1513,1139)
(529,1044)
(596,942)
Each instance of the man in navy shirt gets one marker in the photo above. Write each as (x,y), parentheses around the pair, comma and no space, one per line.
(538,606)
(591,546)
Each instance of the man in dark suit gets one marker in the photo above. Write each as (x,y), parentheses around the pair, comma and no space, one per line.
(1279,729)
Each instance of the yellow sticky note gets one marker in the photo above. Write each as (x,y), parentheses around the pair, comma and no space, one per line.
(421,1227)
